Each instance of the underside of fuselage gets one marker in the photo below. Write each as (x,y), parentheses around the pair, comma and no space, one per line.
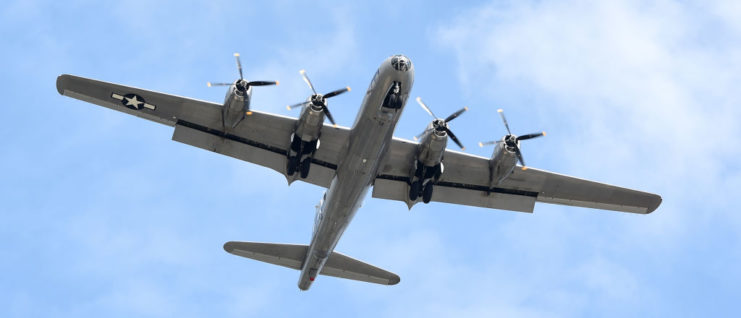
(369,140)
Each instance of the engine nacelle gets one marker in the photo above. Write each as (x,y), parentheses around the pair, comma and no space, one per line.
(310,122)
(305,140)
(501,164)
(428,166)
(432,147)
(236,103)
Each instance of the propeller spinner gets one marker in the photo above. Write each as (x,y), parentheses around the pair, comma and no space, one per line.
(512,142)
(442,124)
(242,84)
(319,101)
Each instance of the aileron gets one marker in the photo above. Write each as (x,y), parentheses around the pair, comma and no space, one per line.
(561,189)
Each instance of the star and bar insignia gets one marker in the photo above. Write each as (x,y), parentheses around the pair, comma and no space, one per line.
(133,101)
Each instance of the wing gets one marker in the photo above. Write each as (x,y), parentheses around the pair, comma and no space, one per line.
(466,181)
(261,138)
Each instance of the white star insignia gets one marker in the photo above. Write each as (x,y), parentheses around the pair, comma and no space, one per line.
(133,101)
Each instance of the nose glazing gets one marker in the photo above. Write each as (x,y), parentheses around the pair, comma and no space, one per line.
(401,63)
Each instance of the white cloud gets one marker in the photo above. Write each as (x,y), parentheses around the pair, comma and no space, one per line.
(323,56)
(647,91)
(645,96)
(637,81)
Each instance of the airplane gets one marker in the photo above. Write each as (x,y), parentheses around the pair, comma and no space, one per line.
(348,162)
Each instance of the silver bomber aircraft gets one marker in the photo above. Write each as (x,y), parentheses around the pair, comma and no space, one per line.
(348,162)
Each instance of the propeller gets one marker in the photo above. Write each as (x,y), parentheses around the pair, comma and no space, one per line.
(242,84)
(442,124)
(319,101)
(512,141)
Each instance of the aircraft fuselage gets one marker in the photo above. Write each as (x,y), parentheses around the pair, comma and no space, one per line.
(368,142)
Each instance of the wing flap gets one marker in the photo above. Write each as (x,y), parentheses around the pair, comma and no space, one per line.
(561,189)
(398,190)
(247,150)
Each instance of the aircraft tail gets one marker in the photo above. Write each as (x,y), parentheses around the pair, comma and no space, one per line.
(292,256)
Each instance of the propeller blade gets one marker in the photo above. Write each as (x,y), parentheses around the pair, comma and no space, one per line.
(262,83)
(455,139)
(420,134)
(290,107)
(519,157)
(209,84)
(329,115)
(531,136)
(501,113)
(239,65)
(456,114)
(306,79)
(482,143)
(320,100)
(337,92)
(427,109)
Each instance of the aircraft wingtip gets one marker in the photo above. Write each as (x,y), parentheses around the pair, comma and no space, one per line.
(394,280)
(229,246)
(656,204)
(60,82)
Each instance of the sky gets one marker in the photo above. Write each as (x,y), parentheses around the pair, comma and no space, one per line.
(104,215)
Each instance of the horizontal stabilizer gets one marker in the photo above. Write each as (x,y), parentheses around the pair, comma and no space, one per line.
(286,255)
(292,256)
(343,266)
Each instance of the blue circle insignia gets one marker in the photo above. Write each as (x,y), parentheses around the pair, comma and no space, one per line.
(133,101)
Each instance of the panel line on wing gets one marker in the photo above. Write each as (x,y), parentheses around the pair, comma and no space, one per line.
(235,138)
(466,186)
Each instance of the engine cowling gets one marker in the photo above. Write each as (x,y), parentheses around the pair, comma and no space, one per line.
(432,147)
(502,163)
(310,122)
(236,103)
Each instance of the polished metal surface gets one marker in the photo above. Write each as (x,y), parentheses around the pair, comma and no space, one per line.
(368,142)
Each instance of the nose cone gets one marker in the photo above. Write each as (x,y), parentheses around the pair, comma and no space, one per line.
(401,63)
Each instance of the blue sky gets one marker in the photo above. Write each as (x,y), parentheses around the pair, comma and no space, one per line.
(103,215)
